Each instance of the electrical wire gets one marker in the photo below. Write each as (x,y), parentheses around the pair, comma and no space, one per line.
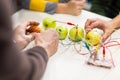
(68,23)
(111,56)
(105,45)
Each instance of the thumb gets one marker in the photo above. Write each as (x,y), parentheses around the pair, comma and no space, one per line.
(30,37)
(105,36)
(87,29)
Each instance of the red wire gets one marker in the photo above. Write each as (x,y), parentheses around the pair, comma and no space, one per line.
(115,38)
(111,56)
(111,42)
(60,21)
(112,45)
(109,38)
(78,50)
(75,43)
(106,46)
(104,52)
(68,23)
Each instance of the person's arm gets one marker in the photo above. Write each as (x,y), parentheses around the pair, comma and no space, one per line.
(40,5)
(115,22)
(73,7)
(15,64)
(54,6)
(110,26)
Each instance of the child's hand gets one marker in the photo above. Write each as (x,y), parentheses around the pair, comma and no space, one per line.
(73,7)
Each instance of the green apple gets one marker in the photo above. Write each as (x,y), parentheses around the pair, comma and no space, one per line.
(49,22)
(93,38)
(76,34)
(62,31)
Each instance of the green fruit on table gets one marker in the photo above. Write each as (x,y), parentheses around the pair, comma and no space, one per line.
(76,34)
(62,31)
(49,22)
(93,38)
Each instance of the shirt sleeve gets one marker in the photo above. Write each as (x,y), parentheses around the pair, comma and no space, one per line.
(38,59)
(48,6)
(40,5)
(14,63)
(64,1)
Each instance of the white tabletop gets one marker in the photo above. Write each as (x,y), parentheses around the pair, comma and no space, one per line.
(66,64)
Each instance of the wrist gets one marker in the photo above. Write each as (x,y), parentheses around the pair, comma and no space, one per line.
(115,23)
(62,8)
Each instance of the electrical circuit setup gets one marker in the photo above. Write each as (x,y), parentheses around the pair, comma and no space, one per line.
(91,41)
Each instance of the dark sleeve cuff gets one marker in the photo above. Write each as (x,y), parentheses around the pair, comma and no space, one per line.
(40,51)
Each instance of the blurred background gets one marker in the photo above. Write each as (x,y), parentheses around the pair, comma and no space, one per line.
(88,5)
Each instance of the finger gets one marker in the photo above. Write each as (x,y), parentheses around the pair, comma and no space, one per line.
(51,30)
(29,23)
(30,38)
(94,25)
(88,29)
(105,36)
(79,8)
(35,23)
(53,33)
(80,2)
(88,24)
(77,12)
(34,34)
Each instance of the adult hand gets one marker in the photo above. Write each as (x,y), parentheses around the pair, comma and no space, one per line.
(48,40)
(106,26)
(20,36)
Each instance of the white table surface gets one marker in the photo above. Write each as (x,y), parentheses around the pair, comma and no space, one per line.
(66,64)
